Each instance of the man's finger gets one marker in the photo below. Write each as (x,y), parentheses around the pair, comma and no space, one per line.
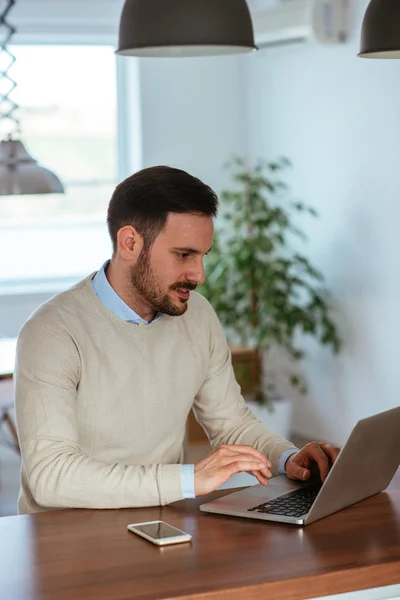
(295,471)
(331,451)
(317,454)
(240,466)
(229,457)
(258,474)
(248,449)
(265,473)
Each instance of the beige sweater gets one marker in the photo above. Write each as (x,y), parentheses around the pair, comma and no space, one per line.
(102,404)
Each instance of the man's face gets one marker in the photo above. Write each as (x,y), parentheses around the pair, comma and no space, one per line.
(164,275)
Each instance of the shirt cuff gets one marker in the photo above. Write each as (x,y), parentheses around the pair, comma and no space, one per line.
(283,458)
(187,480)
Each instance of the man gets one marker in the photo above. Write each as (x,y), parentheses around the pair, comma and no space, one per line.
(108,371)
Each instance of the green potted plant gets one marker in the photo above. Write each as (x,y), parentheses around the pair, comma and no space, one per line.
(264,291)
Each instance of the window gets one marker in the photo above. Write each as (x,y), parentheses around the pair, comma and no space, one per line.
(68,116)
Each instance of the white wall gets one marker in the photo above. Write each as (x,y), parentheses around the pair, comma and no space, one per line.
(337,118)
(192,114)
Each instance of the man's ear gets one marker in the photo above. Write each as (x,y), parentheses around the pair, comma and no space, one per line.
(130,243)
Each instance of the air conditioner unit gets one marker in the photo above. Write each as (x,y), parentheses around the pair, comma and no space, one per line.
(290,21)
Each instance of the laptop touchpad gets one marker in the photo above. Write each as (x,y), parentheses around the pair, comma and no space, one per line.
(257,494)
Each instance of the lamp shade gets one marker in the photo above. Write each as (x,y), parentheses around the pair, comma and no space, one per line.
(175,28)
(380,33)
(20,173)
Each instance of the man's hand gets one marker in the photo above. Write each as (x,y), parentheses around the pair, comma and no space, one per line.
(318,454)
(217,467)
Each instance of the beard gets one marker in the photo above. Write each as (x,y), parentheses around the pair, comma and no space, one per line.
(145,284)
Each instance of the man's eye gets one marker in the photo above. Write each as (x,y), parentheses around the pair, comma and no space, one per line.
(183,255)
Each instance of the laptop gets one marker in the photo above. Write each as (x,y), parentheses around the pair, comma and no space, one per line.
(365,466)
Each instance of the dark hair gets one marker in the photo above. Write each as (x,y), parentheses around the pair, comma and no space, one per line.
(144,200)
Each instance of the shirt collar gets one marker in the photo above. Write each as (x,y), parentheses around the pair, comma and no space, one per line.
(113,302)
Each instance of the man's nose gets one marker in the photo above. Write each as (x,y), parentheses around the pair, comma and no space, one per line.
(197,274)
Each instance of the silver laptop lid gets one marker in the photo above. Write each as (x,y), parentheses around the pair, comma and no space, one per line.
(365,466)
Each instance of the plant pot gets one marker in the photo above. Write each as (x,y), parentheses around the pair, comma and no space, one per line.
(277,417)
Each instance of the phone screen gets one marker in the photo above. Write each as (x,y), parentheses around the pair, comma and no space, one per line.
(158,530)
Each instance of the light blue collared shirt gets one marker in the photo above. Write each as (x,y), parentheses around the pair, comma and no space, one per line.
(113,302)
(116,305)
(283,458)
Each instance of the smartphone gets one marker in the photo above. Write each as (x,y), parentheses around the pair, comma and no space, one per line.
(159,533)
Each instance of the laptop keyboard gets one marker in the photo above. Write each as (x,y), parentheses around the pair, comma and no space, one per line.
(293,504)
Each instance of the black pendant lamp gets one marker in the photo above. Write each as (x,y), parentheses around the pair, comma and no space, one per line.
(380,33)
(175,28)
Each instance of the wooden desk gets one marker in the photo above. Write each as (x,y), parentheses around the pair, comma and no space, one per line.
(80,554)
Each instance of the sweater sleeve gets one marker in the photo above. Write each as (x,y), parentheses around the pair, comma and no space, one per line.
(59,474)
(221,409)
